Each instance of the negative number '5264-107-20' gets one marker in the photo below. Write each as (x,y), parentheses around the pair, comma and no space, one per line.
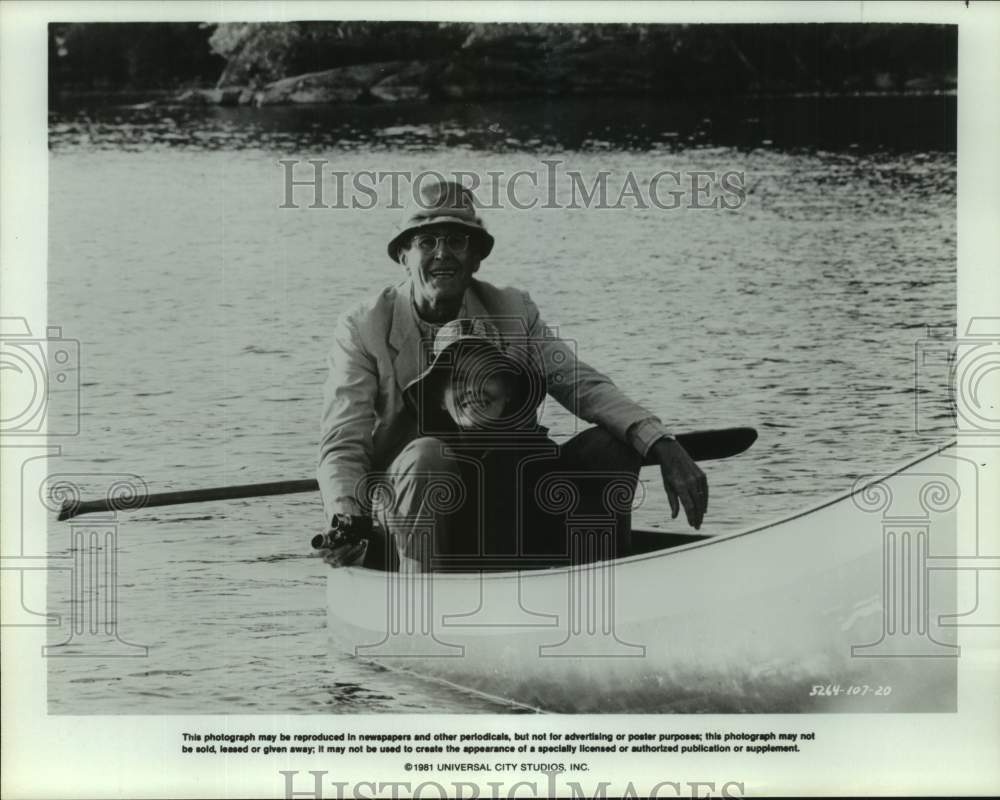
(859,690)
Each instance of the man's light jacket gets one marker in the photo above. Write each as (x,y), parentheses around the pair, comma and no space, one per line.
(377,350)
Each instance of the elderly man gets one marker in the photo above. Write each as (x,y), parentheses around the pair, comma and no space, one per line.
(383,345)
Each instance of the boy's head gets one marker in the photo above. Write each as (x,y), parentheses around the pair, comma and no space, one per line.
(479,389)
(474,384)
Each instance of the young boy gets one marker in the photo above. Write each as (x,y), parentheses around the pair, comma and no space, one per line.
(478,403)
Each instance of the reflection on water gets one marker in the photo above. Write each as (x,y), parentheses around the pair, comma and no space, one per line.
(882,123)
(204,312)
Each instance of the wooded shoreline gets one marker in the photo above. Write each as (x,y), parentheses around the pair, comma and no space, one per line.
(264,64)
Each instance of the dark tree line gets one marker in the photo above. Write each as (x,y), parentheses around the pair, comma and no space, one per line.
(667,59)
(131,55)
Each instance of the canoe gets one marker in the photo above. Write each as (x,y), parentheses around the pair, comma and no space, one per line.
(849,605)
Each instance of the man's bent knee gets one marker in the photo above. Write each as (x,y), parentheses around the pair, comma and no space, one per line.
(427,493)
(426,454)
(597,449)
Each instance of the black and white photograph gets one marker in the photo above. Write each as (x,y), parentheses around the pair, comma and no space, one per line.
(590,381)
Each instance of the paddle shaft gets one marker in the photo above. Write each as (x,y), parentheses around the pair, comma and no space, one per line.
(700,445)
(70,509)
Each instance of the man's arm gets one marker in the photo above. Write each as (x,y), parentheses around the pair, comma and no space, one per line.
(348,419)
(586,392)
(593,397)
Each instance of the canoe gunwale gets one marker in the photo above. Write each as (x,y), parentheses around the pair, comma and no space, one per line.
(704,541)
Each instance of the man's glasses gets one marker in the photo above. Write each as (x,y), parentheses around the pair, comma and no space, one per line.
(428,242)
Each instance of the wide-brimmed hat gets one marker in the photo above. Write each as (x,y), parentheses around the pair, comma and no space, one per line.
(440,203)
(463,339)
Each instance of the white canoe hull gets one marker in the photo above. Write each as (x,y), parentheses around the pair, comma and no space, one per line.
(845,595)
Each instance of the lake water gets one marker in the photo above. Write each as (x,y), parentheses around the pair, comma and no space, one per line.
(203,313)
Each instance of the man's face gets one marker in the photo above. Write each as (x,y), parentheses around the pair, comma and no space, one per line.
(441,260)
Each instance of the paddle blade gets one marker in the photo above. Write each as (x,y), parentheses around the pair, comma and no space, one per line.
(721,443)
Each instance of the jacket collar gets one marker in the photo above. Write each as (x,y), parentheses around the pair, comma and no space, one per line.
(404,338)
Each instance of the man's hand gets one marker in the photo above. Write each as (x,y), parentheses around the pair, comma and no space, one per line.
(348,554)
(347,505)
(683,480)
(345,555)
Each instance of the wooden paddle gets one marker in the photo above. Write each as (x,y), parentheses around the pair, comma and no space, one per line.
(700,445)
(721,443)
